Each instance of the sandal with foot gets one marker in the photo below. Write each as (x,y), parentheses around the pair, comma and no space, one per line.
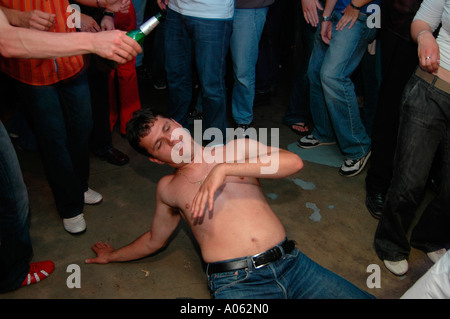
(300,129)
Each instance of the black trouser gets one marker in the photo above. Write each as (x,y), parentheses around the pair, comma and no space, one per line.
(399,60)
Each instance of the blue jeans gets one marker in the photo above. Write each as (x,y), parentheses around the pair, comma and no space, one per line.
(139,8)
(294,276)
(61,116)
(334,107)
(15,249)
(248,25)
(424,128)
(208,40)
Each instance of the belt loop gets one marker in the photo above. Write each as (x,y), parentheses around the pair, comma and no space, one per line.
(435,78)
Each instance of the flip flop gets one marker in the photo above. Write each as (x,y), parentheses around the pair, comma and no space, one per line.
(302,129)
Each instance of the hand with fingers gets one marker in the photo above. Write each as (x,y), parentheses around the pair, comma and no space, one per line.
(38,20)
(310,13)
(428,51)
(103,251)
(350,16)
(204,199)
(116,45)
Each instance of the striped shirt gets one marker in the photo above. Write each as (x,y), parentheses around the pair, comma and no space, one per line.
(43,71)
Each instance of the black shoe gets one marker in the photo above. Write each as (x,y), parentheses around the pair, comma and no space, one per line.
(115,157)
(374,204)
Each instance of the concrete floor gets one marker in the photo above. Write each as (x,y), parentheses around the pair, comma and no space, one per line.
(329,221)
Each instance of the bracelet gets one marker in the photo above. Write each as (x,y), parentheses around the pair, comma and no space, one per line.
(423,31)
(325,18)
(99,5)
(109,14)
(354,7)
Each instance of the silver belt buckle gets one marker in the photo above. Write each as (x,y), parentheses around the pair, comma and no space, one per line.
(253,261)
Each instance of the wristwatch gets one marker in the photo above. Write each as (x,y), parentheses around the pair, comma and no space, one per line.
(354,7)
(325,18)
(109,14)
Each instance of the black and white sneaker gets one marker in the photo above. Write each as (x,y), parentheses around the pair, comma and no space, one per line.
(354,167)
(309,141)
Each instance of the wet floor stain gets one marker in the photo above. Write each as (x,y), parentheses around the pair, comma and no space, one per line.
(315,216)
(303,184)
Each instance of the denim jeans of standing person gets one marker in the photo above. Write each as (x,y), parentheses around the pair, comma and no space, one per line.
(424,127)
(248,25)
(16,251)
(294,276)
(139,8)
(334,106)
(208,40)
(61,116)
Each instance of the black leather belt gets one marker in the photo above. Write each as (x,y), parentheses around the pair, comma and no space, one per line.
(258,261)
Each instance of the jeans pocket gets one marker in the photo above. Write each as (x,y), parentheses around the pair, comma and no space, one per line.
(222,281)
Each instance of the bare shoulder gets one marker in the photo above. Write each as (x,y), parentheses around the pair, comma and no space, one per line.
(164,186)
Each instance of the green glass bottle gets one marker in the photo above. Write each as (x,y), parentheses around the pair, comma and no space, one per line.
(147,27)
(139,34)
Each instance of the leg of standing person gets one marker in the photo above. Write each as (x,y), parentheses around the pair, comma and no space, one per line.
(62,118)
(247,28)
(126,97)
(298,112)
(423,125)
(344,54)
(178,47)
(126,88)
(139,7)
(101,137)
(212,40)
(16,250)
(323,130)
(398,61)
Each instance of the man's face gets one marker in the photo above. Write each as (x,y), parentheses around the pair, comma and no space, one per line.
(168,142)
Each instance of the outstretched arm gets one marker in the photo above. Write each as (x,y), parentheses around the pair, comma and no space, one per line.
(26,43)
(164,223)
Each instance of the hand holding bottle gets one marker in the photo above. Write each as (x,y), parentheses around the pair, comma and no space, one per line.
(115,45)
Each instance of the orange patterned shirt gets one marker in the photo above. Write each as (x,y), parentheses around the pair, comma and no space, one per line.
(43,71)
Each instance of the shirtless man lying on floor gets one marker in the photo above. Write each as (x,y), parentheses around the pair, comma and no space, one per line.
(217,192)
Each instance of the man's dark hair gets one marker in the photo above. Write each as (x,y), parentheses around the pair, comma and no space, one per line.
(139,126)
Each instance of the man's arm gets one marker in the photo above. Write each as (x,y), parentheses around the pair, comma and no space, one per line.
(34,19)
(252,159)
(25,43)
(164,223)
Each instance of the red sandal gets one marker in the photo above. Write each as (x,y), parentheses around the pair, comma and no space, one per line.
(38,271)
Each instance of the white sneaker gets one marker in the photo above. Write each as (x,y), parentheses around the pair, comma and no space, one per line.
(75,225)
(309,141)
(436,255)
(91,197)
(354,167)
(398,268)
